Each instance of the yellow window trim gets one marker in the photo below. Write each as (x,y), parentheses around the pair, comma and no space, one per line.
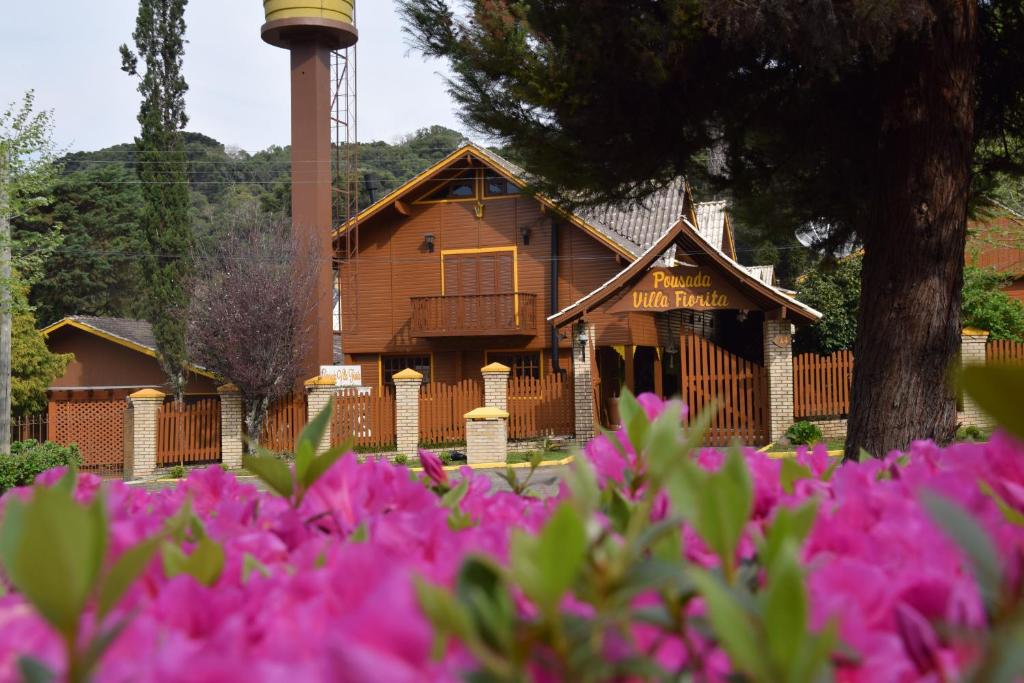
(382,356)
(121,341)
(489,250)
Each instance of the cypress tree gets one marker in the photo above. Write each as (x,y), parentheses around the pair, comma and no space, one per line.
(162,168)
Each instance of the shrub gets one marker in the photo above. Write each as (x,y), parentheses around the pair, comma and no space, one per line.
(31,458)
(803,433)
(658,561)
(446,458)
(177,472)
(401,459)
(971,433)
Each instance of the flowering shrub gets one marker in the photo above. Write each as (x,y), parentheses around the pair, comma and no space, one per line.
(652,564)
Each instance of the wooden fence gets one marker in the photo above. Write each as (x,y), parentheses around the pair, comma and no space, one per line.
(540,407)
(285,419)
(188,433)
(94,422)
(442,407)
(369,417)
(821,385)
(1004,351)
(738,387)
(25,427)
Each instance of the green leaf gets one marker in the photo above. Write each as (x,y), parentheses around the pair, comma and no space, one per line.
(965,531)
(785,609)
(126,569)
(582,482)
(724,505)
(619,509)
(788,524)
(274,472)
(34,671)
(536,459)
(204,564)
(320,465)
(1010,514)
(791,472)
(309,440)
(101,642)
(443,610)
(634,419)
(481,587)
(996,389)
(560,552)
(52,549)
(452,498)
(731,624)
(249,565)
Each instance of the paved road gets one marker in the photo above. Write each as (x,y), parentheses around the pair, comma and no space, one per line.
(545,481)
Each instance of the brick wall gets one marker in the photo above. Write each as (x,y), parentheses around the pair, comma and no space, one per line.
(230,426)
(583,391)
(778,363)
(486,440)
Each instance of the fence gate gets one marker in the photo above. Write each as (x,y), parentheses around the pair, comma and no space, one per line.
(95,423)
(541,407)
(738,386)
(368,418)
(442,407)
(188,433)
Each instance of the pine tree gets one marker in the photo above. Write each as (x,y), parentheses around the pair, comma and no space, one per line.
(162,168)
(869,117)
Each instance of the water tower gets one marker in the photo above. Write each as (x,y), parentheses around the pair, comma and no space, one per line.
(312,30)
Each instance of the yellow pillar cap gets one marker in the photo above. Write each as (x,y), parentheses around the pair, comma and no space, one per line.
(496,368)
(228,389)
(148,393)
(321,381)
(487,414)
(974,332)
(408,373)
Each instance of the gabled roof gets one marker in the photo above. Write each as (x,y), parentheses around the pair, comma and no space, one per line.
(765,274)
(687,240)
(628,229)
(136,335)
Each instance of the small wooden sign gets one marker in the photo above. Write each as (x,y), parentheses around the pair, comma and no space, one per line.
(667,289)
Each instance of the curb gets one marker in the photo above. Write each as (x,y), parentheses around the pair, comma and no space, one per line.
(448,468)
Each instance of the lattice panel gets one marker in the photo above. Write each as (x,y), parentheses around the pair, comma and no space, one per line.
(97,427)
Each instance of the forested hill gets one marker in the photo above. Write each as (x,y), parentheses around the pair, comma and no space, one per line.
(97,202)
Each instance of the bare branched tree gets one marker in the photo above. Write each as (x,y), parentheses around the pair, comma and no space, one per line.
(252,296)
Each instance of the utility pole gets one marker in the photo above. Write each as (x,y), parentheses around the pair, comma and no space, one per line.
(5,303)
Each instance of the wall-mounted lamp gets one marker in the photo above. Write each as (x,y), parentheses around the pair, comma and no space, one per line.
(428,242)
(583,339)
(742,316)
(527,232)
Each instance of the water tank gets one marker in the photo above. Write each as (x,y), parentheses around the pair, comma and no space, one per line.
(294,21)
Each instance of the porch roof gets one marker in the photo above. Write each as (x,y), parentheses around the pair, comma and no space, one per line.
(686,240)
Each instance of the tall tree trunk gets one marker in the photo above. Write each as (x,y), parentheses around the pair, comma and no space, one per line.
(5,312)
(912,277)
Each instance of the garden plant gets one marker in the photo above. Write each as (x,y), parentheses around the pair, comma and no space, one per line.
(658,561)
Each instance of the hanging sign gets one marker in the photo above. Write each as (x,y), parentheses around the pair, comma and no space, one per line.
(667,289)
(347,375)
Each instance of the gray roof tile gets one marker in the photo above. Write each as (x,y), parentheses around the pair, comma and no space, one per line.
(138,332)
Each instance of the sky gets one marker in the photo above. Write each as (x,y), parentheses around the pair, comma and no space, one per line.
(67,50)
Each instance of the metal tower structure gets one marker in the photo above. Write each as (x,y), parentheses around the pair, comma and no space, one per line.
(347,180)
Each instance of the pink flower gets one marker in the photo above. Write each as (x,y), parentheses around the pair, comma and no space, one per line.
(433,468)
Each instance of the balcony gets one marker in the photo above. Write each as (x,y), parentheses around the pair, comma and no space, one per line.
(475,315)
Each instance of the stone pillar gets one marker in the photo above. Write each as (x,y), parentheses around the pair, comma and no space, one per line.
(320,391)
(972,352)
(230,426)
(140,433)
(583,380)
(496,385)
(407,412)
(486,436)
(778,363)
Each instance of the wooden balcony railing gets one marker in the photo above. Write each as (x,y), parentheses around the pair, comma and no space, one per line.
(474,315)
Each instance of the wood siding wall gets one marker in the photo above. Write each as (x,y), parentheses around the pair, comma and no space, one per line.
(394,265)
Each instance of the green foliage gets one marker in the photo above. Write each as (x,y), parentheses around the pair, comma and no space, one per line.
(803,433)
(163,175)
(446,458)
(28,459)
(97,269)
(177,472)
(987,307)
(33,366)
(834,290)
(971,433)
(53,551)
(401,459)
(309,467)
(764,626)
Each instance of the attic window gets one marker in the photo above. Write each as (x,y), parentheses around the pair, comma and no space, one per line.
(498,186)
(462,187)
